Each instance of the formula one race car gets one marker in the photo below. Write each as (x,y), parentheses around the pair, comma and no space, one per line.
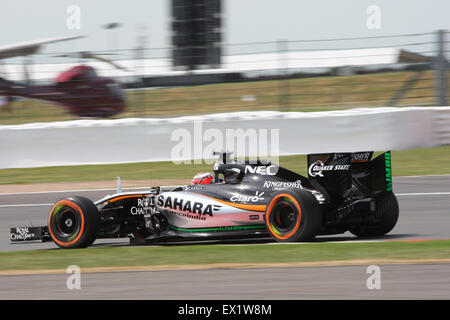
(242,199)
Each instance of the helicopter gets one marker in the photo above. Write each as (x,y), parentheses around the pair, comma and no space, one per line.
(80,89)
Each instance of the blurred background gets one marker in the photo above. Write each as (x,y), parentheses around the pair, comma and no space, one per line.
(185,57)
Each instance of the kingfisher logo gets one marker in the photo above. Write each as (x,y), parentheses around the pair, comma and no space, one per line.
(276,185)
(361,156)
(184,205)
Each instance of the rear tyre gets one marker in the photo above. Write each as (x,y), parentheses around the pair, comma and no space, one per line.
(387,209)
(74,222)
(293,216)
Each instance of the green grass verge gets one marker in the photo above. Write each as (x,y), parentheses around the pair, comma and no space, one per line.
(404,163)
(306,94)
(209,254)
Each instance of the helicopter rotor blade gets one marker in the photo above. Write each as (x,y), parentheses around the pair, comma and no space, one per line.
(89,55)
(114,64)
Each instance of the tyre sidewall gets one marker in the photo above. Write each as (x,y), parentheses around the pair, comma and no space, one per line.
(387,206)
(309,215)
(86,217)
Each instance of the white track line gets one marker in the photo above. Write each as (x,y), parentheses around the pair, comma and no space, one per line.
(86,190)
(423,194)
(65,191)
(26,205)
(423,176)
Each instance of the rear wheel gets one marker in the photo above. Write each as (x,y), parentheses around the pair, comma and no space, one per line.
(387,209)
(74,222)
(293,216)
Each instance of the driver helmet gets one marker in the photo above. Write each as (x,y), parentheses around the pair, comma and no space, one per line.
(203,178)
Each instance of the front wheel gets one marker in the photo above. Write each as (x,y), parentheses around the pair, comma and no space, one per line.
(74,222)
(293,216)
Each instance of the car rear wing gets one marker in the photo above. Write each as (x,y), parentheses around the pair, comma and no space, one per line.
(338,173)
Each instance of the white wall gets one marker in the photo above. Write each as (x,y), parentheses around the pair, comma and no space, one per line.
(138,140)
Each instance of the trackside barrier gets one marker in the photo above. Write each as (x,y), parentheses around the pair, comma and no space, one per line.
(139,140)
(441,126)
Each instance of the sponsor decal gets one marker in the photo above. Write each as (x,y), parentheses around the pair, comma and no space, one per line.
(22,234)
(143,204)
(136,211)
(194,207)
(241,198)
(388,169)
(281,184)
(338,156)
(341,167)
(262,170)
(362,157)
(317,168)
(194,187)
(238,228)
(222,228)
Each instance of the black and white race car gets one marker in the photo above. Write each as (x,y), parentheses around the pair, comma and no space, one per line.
(240,199)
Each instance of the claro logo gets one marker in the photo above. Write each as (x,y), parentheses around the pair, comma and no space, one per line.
(263,170)
(241,198)
(184,205)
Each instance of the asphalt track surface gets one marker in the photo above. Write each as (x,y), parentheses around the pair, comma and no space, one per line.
(424,214)
(350,282)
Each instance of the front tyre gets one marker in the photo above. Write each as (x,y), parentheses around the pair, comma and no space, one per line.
(293,216)
(74,222)
(388,211)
